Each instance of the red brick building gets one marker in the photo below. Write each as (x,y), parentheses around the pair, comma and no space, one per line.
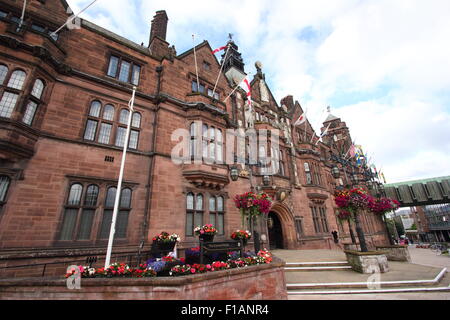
(63,112)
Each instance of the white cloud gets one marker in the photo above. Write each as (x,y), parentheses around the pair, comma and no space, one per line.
(318,50)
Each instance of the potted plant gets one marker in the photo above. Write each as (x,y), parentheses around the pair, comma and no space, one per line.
(241,235)
(166,241)
(206,233)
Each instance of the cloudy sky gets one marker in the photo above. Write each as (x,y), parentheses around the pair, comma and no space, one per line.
(383,66)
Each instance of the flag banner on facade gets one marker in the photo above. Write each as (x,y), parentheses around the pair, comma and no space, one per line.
(219,49)
(245,84)
(300,120)
(323,134)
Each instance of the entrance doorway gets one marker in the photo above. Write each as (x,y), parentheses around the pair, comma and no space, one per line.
(275,231)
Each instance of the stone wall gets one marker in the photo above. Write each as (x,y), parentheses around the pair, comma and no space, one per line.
(262,282)
(396,253)
(367,262)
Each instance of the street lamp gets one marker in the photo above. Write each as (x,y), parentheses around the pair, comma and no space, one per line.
(335,172)
(354,179)
(234,173)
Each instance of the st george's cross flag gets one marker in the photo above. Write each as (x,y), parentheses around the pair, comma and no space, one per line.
(219,49)
(300,120)
(245,84)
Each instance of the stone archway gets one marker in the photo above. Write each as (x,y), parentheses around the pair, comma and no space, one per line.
(275,231)
(282,234)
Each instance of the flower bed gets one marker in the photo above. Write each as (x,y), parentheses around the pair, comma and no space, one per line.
(169,266)
(254,282)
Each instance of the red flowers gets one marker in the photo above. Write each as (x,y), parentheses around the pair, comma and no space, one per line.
(383,205)
(241,234)
(263,256)
(253,204)
(207,229)
(115,270)
(351,201)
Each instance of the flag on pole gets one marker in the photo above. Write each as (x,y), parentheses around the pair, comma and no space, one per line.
(219,49)
(352,151)
(300,120)
(323,134)
(245,84)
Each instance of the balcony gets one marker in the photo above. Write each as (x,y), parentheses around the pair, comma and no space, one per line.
(17,140)
(208,176)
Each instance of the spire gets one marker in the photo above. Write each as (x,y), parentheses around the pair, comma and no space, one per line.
(234,57)
(330,116)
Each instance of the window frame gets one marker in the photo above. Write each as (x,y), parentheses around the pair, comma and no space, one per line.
(3,200)
(110,209)
(17,93)
(132,66)
(195,211)
(81,207)
(205,213)
(116,126)
(33,99)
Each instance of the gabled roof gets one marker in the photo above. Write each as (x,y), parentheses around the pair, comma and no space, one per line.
(331,118)
(198,47)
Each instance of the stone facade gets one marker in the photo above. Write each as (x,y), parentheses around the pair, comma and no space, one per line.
(61,144)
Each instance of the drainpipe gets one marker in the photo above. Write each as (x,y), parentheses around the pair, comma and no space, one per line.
(149,195)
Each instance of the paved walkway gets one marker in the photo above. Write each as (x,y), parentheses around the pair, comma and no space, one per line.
(425,266)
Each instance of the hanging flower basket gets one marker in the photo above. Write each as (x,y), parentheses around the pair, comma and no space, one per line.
(351,202)
(383,205)
(251,204)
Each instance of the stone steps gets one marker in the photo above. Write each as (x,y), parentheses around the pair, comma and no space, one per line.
(316,266)
(439,283)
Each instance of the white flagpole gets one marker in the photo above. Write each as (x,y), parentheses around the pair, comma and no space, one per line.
(23,13)
(196,68)
(73,18)
(119,184)
(221,68)
(234,90)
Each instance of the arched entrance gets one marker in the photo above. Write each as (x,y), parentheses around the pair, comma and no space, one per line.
(275,231)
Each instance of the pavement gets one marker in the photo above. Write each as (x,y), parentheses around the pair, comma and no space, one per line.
(425,265)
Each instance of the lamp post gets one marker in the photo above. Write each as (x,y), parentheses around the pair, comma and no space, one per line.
(335,172)
(234,174)
(354,180)
(358,227)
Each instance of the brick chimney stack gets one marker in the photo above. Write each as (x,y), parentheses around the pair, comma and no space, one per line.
(159,25)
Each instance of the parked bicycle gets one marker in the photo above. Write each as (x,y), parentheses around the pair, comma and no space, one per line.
(439,248)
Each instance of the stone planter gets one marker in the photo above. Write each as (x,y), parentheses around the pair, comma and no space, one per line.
(351,246)
(367,262)
(396,253)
